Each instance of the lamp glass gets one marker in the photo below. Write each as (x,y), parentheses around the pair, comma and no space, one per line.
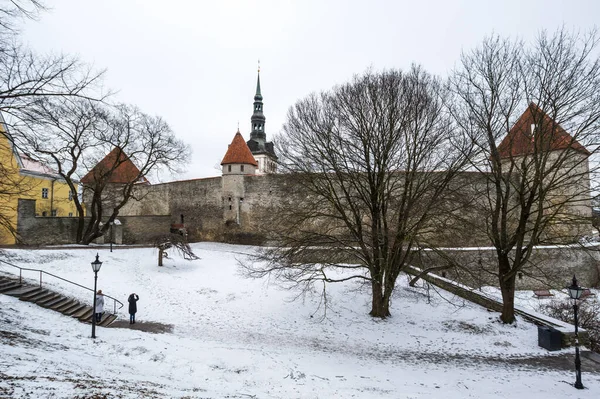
(96,265)
(575,291)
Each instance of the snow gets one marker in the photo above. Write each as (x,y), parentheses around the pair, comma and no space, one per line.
(243,338)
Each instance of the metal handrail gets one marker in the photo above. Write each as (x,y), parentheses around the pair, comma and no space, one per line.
(60,278)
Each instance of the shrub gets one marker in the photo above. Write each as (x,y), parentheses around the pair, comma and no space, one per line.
(588,315)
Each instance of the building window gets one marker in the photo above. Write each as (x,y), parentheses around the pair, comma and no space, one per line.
(44,214)
(44,193)
(70,214)
(53,213)
(241,168)
(229,168)
(229,207)
(70,195)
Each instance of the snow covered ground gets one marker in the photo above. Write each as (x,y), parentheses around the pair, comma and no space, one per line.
(234,337)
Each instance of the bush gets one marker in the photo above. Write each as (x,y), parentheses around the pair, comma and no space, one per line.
(588,315)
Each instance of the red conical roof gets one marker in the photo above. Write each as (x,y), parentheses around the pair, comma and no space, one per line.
(125,173)
(238,152)
(520,140)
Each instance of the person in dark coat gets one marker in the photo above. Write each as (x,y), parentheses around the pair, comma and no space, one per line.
(133,298)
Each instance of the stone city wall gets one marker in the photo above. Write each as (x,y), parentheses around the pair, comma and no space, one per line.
(551,266)
(35,230)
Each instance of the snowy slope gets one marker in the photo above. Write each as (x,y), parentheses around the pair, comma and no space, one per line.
(239,338)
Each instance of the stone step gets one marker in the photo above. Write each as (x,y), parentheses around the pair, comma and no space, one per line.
(52,300)
(59,302)
(34,295)
(74,309)
(9,285)
(65,306)
(107,320)
(84,313)
(47,298)
(23,290)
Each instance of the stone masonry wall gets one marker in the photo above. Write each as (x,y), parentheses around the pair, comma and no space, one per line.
(63,230)
(549,266)
(34,230)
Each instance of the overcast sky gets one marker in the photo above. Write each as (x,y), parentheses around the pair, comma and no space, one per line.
(194,62)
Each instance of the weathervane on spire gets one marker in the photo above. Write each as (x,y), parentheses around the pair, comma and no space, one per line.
(259,66)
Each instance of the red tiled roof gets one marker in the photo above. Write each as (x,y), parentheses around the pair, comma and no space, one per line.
(238,152)
(125,173)
(520,140)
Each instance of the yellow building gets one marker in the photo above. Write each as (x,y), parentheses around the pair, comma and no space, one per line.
(22,177)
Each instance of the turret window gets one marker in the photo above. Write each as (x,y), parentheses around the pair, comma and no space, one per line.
(229,168)
(241,168)
(44,193)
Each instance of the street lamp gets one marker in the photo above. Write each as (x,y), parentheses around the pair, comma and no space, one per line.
(575,292)
(96,265)
(111,235)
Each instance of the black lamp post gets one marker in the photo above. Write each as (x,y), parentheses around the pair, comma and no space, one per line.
(111,235)
(575,292)
(96,265)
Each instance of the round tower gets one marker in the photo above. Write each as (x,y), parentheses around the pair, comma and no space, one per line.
(237,163)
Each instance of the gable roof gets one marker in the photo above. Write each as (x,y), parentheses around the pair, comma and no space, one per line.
(520,139)
(125,173)
(30,166)
(238,152)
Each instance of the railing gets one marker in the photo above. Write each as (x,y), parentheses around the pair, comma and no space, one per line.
(42,272)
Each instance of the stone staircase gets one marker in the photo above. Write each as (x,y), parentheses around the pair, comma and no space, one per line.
(52,300)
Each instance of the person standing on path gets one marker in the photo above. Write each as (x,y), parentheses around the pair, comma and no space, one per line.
(133,298)
(99,306)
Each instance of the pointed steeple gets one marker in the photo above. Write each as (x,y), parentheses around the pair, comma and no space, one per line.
(257,133)
(258,96)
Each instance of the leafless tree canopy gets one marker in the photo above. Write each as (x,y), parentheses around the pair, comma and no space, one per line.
(26,79)
(370,160)
(536,175)
(26,76)
(11,11)
(165,242)
(73,135)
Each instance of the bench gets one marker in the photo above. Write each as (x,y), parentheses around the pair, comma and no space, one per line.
(542,293)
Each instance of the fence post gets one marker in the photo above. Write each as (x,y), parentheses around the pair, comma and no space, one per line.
(40,279)
(20,276)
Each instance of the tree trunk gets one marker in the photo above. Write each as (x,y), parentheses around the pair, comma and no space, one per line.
(160,256)
(380,306)
(508,300)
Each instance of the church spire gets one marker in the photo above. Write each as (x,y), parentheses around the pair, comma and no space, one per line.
(258,119)
(258,96)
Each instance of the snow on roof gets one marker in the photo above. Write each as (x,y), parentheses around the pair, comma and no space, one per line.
(36,167)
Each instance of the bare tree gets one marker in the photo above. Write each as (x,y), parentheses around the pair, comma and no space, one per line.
(137,144)
(367,165)
(177,241)
(533,113)
(26,78)
(66,133)
(74,136)
(11,10)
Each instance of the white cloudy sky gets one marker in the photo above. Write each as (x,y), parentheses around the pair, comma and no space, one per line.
(194,62)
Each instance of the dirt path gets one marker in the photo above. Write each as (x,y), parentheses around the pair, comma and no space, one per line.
(146,326)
